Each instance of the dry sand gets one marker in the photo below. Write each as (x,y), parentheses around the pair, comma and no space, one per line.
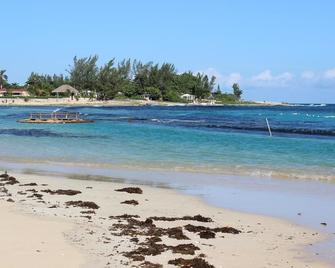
(122,102)
(80,102)
(28,241)
(263,241)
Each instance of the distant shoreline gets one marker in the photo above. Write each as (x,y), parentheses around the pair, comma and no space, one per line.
(126,102)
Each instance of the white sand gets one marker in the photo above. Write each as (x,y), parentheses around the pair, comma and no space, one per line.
(28,241)
(122,102)
(264,241)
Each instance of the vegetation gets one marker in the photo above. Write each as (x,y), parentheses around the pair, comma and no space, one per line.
(42,85)
(128,79)
(237,91)
(3,78)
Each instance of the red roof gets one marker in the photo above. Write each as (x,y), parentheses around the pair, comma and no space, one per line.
(13,90)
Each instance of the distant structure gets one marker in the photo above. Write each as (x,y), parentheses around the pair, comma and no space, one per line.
(65,89)
(14,92)
(55,118)
(188,97)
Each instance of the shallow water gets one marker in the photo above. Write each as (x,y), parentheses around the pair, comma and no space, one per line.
(221,140)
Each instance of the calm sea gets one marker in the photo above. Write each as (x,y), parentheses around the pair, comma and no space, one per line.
(220,140)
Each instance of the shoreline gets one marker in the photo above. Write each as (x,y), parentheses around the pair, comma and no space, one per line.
(127,102)
(281,174)
(260,234)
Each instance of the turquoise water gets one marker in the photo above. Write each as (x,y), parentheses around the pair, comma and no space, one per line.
(223,140)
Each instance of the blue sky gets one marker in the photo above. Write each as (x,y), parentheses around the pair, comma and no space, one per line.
(277,50)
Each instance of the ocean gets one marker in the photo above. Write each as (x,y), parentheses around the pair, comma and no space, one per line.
(230,140)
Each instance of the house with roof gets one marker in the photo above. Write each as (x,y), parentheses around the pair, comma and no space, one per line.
(188,97)
(14,92)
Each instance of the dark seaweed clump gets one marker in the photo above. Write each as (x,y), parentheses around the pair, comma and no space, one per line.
(130,190)
(61,192)
(82,204)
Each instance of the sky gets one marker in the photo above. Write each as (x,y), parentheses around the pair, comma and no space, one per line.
(276,50)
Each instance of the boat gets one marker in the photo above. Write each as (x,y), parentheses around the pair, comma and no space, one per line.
(55,118)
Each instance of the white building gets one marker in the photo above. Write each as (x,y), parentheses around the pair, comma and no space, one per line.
(188,97)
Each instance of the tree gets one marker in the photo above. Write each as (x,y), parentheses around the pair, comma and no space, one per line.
(237,91)
(204,86)
(153,92)
(83,73)
(42,84)
(114,79)
(3,78)
(172,95)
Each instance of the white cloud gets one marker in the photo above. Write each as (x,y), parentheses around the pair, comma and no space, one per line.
(284,77)
(212,72)
(308,75)
(329,74)
(263,76)
(226,80)
(266,77)
(232,78)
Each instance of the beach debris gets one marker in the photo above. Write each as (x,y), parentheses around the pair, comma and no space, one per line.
(124,216)
(186,249)
(185,218)
(130,202)
(130,190)
(87,216)
(191,263)
(61,192)
(87,212)
(4,190)
(82,204)
(203,229)
(31,190)
(207,234)
(10,200)
(35,195)
(148,264)
(9,180)
(135,227)
(29,184)
(323,223)
(134,239)
(176,233)
(4,175)
(150,248)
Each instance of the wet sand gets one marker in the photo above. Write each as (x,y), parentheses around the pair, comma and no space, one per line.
(155,227)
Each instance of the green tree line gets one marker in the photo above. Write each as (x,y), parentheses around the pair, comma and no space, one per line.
(129,79)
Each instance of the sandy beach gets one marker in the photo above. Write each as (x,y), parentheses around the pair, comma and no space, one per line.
(125,102)
(90,224)
(28,241)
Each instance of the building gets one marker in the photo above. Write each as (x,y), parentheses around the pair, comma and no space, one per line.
(188,97)
(14,92)
(64,90)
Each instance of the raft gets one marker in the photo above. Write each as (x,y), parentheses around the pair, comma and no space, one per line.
(55,118)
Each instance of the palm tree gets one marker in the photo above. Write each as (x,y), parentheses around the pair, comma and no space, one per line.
(3,78)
